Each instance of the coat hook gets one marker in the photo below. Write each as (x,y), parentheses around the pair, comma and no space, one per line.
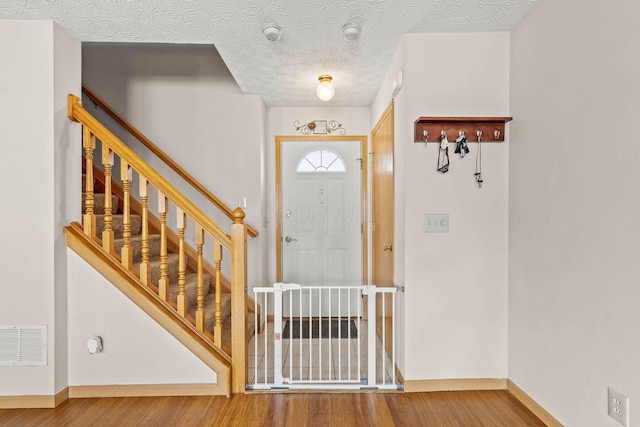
(425,136)
(479,134)
(496,134)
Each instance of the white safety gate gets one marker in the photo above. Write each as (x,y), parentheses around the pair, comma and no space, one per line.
(335,352)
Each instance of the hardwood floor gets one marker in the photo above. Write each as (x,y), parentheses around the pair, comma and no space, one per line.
(467,408)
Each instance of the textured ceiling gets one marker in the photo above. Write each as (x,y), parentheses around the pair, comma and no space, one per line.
(284,73)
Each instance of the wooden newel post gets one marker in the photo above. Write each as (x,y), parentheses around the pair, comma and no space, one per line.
(238,304)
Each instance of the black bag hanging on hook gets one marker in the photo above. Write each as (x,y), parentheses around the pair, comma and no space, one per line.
(461,145)
(443,154)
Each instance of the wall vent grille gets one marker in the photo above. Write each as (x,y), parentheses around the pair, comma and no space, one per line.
(23,345)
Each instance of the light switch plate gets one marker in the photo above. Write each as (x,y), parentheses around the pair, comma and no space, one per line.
(436,223)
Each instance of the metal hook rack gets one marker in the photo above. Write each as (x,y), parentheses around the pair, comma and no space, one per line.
(429,129)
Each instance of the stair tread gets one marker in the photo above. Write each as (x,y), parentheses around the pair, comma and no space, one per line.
(138,237)
(117,224)
(192,278)
(117,215)
(98,202)
(225,301)
(156,260)
(190,287)
(136,244)
(210,309)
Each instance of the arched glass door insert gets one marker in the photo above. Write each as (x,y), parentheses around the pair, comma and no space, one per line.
(322,160)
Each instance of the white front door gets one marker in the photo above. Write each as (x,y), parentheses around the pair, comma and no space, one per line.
(321,223)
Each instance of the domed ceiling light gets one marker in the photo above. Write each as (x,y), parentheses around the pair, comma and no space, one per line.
(325,89)
(350,32)
(272,33)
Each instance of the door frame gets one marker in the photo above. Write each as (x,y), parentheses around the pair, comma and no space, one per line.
(363,199)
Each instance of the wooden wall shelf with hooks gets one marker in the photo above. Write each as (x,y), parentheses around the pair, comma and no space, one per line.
(453,125)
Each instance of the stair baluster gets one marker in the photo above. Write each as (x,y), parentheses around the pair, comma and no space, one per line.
(217,326)
(144,251)
(126,253)
(89,218)
(107,233)
(163,282)
(200,297)
(181,299)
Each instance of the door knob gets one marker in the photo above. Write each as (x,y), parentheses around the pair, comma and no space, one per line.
(290,239)
(388,248)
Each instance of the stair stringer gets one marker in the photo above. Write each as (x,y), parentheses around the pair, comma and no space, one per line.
(160,311)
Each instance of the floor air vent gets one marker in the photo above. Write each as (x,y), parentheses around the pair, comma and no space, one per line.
(23,345)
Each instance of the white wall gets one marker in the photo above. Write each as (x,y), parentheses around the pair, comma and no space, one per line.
(574,230)
(41,65)
(67,178)
(137,349)
(280,122)
(455,315)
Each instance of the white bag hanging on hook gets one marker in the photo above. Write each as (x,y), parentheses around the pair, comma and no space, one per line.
(443,153)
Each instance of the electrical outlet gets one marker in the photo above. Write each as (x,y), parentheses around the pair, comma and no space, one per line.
(618,406)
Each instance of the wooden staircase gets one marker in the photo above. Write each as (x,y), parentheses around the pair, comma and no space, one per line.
(189,291)
(154,246)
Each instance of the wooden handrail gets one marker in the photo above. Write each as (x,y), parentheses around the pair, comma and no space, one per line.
(77,113)
(164,157)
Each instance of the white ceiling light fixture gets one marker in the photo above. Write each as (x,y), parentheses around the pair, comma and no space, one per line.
(273,33)
(351,32)
(325,89)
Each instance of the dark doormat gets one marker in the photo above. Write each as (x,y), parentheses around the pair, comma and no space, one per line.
(344,324)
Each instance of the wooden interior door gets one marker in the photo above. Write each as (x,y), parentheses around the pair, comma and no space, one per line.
(382,219)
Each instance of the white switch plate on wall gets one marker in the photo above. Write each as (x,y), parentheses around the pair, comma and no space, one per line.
(436,223)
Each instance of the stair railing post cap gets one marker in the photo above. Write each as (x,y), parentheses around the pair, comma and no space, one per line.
(238,216)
